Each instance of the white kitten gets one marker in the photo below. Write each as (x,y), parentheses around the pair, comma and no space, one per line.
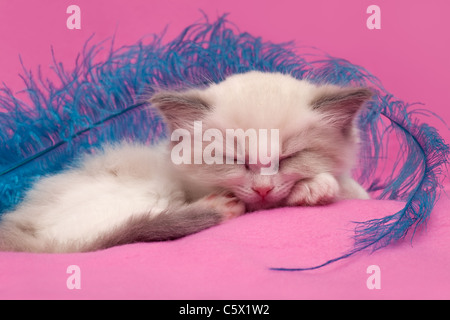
(130,192)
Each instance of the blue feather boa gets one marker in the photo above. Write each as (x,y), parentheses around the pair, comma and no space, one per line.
(103,100)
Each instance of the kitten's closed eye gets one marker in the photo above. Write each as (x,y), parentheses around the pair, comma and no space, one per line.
(285,158)
(289,156)
(235,160)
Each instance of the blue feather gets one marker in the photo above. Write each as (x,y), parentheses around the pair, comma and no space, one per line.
(103,100)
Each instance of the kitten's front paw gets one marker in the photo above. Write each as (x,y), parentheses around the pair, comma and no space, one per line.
(320,190)
(225,204)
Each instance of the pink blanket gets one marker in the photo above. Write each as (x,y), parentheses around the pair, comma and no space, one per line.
(233,260)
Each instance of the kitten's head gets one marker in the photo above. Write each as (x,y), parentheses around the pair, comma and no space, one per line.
(315,127)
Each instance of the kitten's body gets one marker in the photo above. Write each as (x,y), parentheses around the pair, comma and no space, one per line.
(130,192)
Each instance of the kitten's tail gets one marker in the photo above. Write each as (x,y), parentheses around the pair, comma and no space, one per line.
(172,224)
(165,226)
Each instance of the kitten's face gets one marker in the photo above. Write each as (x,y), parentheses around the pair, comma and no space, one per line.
(314,126)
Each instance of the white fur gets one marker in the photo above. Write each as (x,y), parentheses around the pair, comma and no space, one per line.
(108,188)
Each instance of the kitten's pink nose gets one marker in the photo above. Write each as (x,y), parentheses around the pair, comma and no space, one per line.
(263,190)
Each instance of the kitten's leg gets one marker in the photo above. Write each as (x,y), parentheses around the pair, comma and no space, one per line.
(350,189)
(322,189)
(17,237)
(175,222)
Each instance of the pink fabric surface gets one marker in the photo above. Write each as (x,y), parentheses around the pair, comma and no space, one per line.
(232,261)
(409,54)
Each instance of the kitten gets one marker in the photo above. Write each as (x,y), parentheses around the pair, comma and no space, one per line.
(130,192)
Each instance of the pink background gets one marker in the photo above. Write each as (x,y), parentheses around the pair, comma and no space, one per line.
(410,55)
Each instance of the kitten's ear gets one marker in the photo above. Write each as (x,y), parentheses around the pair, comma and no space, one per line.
(181,108)
(341,105)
